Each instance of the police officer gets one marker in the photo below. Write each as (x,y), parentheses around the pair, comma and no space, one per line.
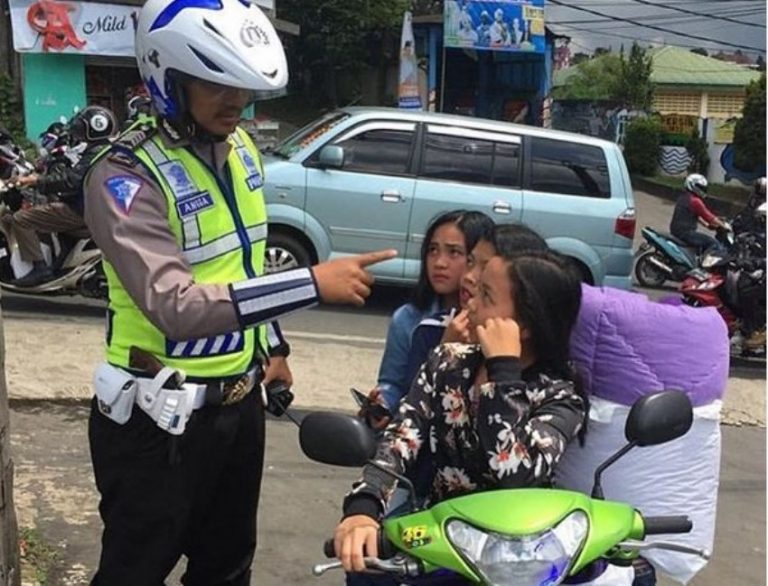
(176,206)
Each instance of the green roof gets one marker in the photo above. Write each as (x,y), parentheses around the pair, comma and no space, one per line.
(675,66)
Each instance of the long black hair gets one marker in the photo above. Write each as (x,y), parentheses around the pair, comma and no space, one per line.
(475,226)
(515,238)
(547,298)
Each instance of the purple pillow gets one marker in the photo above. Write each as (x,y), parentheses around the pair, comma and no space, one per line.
(626,346)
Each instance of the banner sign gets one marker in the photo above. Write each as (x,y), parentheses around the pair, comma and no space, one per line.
(61,26)
(494,25)
(408,81)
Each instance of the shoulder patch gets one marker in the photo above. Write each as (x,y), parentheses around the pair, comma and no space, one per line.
(123,159)
(123,190)
(133,138)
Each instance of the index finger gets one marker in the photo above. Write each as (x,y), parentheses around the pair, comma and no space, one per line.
(370,258)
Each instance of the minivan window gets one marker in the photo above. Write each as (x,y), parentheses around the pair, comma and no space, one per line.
(383,151)
(569,168)
(310,133)
(471,160)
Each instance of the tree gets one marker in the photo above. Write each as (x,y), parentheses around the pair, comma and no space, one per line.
(635,89)
(700,51)
(749,134)
(339,35)
(579,58)
(697,146)
(11,111)
(760,63)
(600,51)
(641,145)
(596,79)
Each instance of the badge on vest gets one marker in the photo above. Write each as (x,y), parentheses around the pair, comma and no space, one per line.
(194,204)
(178,179)
(254,179)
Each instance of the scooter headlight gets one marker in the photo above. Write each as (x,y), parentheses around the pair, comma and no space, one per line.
(542,559)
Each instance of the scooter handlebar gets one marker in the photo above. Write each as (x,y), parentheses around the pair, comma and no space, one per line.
(386,549)
(667,525)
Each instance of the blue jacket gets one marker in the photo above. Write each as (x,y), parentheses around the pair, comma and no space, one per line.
(394,377)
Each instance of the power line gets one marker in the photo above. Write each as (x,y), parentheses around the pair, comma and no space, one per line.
(649,18)
(699,14)
(629,37)
(653,27)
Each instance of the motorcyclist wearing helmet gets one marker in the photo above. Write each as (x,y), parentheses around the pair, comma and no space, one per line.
(748,220)
(690,210)
(95,126)
(176,207)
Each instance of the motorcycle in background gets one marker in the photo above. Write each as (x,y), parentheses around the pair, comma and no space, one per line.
(719,283)
(76,261)
(662,257)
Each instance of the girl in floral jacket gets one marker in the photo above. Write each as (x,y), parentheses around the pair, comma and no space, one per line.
(496,413)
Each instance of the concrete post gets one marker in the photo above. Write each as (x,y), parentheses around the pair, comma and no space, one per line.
(10,573)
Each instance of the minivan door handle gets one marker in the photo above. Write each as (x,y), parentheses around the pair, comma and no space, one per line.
(502,207)
(392,196)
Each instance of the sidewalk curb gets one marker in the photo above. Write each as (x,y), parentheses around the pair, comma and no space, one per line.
(722,207)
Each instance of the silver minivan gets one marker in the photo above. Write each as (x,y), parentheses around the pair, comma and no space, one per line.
(361,179)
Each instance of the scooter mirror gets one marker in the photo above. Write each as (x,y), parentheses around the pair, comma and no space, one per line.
(336,439)
(659,418)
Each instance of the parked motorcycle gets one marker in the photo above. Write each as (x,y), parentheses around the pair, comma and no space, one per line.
(662,257)
(524,536)
(76,261)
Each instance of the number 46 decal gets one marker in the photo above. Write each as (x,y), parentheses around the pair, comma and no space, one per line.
(416,536)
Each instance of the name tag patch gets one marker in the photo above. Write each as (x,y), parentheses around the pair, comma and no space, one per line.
(194,204)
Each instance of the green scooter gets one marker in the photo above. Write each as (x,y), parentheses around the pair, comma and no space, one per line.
(522,537)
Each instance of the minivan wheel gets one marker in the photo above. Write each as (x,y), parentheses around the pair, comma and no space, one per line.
(648,274)
(284,253)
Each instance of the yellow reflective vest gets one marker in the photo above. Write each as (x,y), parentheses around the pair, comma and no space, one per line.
(221,229)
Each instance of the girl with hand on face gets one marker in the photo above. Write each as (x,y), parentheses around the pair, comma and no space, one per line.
(495,413)
(444,253)
(506,240)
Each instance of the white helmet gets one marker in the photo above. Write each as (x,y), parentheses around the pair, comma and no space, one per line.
(229,42)
(697,184)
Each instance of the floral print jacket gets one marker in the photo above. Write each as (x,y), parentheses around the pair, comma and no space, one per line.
(510,432)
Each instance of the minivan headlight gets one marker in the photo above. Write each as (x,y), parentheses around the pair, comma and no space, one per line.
(541,559)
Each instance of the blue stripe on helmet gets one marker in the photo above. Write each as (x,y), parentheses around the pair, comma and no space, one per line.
(172,10)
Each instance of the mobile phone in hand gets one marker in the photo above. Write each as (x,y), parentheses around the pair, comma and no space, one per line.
(368,406)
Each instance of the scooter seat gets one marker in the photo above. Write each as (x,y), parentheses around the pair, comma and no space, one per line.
(676,240)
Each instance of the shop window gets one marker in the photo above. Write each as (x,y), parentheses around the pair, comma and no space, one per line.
(725,105)
(677,103)
(568,168)
(112,86)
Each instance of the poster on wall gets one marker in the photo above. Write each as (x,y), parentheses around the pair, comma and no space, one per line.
(59,26)
(724,130)
(408,81)
(494,25)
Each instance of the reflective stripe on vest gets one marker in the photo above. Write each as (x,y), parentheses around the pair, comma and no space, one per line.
(214,221)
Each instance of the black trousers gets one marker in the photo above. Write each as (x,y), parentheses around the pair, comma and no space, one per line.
(163,496)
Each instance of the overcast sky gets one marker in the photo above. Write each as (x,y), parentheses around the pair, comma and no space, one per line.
(595,30)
